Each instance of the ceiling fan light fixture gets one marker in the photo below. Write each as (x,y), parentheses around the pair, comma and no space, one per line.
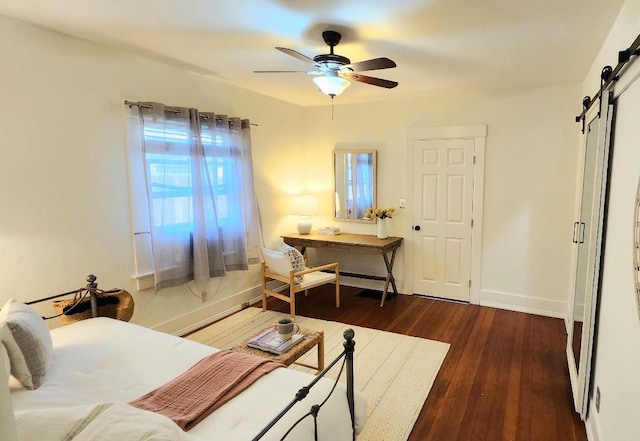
(331,85)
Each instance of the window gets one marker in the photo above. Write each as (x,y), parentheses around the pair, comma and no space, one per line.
(197,193)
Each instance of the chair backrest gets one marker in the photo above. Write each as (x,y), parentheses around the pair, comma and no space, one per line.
(278,263)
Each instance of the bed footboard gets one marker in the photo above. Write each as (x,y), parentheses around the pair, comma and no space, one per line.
(347,362)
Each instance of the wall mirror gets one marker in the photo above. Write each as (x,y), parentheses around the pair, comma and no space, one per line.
(354,184)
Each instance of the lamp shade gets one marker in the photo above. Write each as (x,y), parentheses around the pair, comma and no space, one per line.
(304,205)
(331,85)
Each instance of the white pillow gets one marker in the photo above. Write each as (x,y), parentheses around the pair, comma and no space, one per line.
(28,343)
(297,259)
(5,357)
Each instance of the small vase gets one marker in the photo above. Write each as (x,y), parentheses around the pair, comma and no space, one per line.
(382,229)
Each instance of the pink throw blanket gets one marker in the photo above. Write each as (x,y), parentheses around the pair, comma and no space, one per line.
(207,385)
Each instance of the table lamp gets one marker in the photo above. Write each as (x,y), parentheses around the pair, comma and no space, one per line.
(305,206)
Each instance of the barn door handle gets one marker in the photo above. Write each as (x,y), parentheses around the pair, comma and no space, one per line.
(416,227)
(582,232)
(575,225)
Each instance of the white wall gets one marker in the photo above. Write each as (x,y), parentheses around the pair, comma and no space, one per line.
(617,348)
(63,172)
(531,150)
(63,179)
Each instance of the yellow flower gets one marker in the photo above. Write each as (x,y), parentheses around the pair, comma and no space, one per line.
(382,213)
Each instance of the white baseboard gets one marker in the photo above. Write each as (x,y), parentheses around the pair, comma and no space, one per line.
(592,424)
(520,303)
(210,313)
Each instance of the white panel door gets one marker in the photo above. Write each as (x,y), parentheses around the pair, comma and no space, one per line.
(443,194)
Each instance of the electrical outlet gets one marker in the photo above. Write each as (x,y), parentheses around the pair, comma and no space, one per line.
(402,203)
(598,399)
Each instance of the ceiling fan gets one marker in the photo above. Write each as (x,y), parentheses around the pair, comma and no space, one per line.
(334,71)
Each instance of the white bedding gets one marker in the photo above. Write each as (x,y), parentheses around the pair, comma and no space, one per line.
(108,361)
(97,422)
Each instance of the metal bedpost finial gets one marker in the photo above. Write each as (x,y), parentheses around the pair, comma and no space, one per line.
(349,342)
(91,279)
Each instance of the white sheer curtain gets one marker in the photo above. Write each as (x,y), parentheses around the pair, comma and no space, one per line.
(363,183)
(202,207)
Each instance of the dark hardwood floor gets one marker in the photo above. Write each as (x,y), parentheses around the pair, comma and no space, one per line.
(505,376)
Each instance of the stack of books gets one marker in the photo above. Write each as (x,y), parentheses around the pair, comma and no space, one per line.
(329,231)
(270,341)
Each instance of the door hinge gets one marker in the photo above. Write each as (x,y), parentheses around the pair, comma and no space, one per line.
(469,283)
(471,223)
(474,159)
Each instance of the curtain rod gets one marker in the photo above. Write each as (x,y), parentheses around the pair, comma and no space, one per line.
(610,75)
(168,109)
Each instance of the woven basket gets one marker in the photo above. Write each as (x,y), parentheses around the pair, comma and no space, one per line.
(117,304)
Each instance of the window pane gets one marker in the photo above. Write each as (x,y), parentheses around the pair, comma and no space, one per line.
(171,190)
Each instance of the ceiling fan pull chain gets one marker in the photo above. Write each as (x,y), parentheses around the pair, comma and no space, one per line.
(331,108)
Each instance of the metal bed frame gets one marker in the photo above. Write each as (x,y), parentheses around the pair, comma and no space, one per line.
(346,357)
(347,361)
(90,290)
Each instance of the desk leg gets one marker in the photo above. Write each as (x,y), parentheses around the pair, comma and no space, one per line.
(390,279)
(320,355)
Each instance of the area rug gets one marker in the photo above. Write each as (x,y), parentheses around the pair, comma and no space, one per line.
(394,371)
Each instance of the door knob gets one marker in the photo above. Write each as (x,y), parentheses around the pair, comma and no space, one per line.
(416,227)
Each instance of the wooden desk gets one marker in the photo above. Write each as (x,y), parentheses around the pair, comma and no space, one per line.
(354,243)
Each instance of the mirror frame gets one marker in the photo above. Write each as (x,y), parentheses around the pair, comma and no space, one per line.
(334,154)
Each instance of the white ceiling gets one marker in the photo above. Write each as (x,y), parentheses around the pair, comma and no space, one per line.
(437,44)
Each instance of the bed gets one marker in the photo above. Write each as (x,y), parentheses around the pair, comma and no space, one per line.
(100,364)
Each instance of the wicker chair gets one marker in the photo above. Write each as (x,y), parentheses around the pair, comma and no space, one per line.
(277,266)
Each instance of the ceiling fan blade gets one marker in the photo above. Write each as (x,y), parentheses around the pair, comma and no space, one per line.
(370,80)
(296,54)
(373,64)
